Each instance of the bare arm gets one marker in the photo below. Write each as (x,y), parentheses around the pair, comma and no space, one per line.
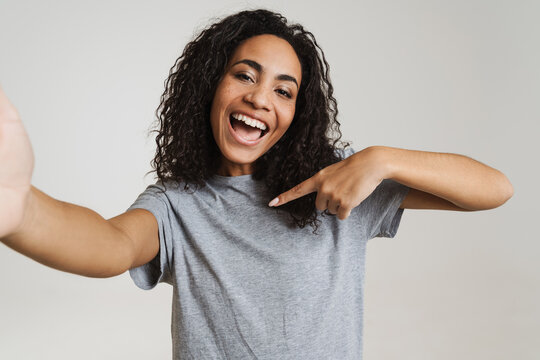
(445,181)
(78,240)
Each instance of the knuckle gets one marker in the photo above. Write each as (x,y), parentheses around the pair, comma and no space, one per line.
(320,204)
(326,189)
(335,199)
(321,176)
(344,214)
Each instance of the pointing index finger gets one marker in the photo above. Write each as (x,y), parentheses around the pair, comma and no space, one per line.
(305,187)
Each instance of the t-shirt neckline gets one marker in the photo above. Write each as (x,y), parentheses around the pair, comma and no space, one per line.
(232,180)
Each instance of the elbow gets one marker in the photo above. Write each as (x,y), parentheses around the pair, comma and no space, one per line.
(508,190)
(504,191)
(497,192)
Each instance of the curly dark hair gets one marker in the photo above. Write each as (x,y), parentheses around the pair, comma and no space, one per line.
(186,149)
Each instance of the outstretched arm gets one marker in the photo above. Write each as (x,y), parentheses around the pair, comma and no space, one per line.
(437,181)
(58,234)
(445,181)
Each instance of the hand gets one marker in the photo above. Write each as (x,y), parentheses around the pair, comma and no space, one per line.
(16,166)
(342,186)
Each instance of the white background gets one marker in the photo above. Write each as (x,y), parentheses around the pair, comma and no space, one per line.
(446,76)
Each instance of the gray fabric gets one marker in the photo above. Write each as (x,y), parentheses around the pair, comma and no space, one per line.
(247,285)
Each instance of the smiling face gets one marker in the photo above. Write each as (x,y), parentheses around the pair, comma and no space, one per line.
(254,102)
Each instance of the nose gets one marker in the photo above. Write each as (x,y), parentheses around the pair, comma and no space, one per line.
(258,97)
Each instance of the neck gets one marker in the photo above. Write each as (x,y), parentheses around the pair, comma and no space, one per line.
(228,168)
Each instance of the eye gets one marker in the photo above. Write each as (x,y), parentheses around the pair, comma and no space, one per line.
(284,93)
(243,77)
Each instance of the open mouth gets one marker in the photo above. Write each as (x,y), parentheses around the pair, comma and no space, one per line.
(247,128)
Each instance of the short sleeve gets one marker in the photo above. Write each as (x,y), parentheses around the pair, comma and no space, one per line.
(381,211)
(158,270)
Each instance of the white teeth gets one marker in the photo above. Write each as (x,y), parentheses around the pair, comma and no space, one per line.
(251,122)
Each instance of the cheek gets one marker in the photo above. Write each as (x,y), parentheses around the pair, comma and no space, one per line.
(213,117)
(287,115)
(218,104)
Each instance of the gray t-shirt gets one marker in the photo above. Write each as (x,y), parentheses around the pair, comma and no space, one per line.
(248,285)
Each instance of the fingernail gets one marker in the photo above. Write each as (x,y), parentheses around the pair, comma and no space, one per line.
(273,202)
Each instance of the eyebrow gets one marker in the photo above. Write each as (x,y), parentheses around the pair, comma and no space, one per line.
(258,67)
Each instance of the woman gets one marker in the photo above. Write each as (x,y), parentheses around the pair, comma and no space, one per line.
(247,115)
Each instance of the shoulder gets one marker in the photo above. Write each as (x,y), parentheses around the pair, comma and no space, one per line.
(169,189)
(344,153)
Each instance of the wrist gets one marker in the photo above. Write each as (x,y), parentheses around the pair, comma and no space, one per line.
(384,157)
(27,214)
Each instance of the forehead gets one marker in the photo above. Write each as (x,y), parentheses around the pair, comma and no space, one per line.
(275,55)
